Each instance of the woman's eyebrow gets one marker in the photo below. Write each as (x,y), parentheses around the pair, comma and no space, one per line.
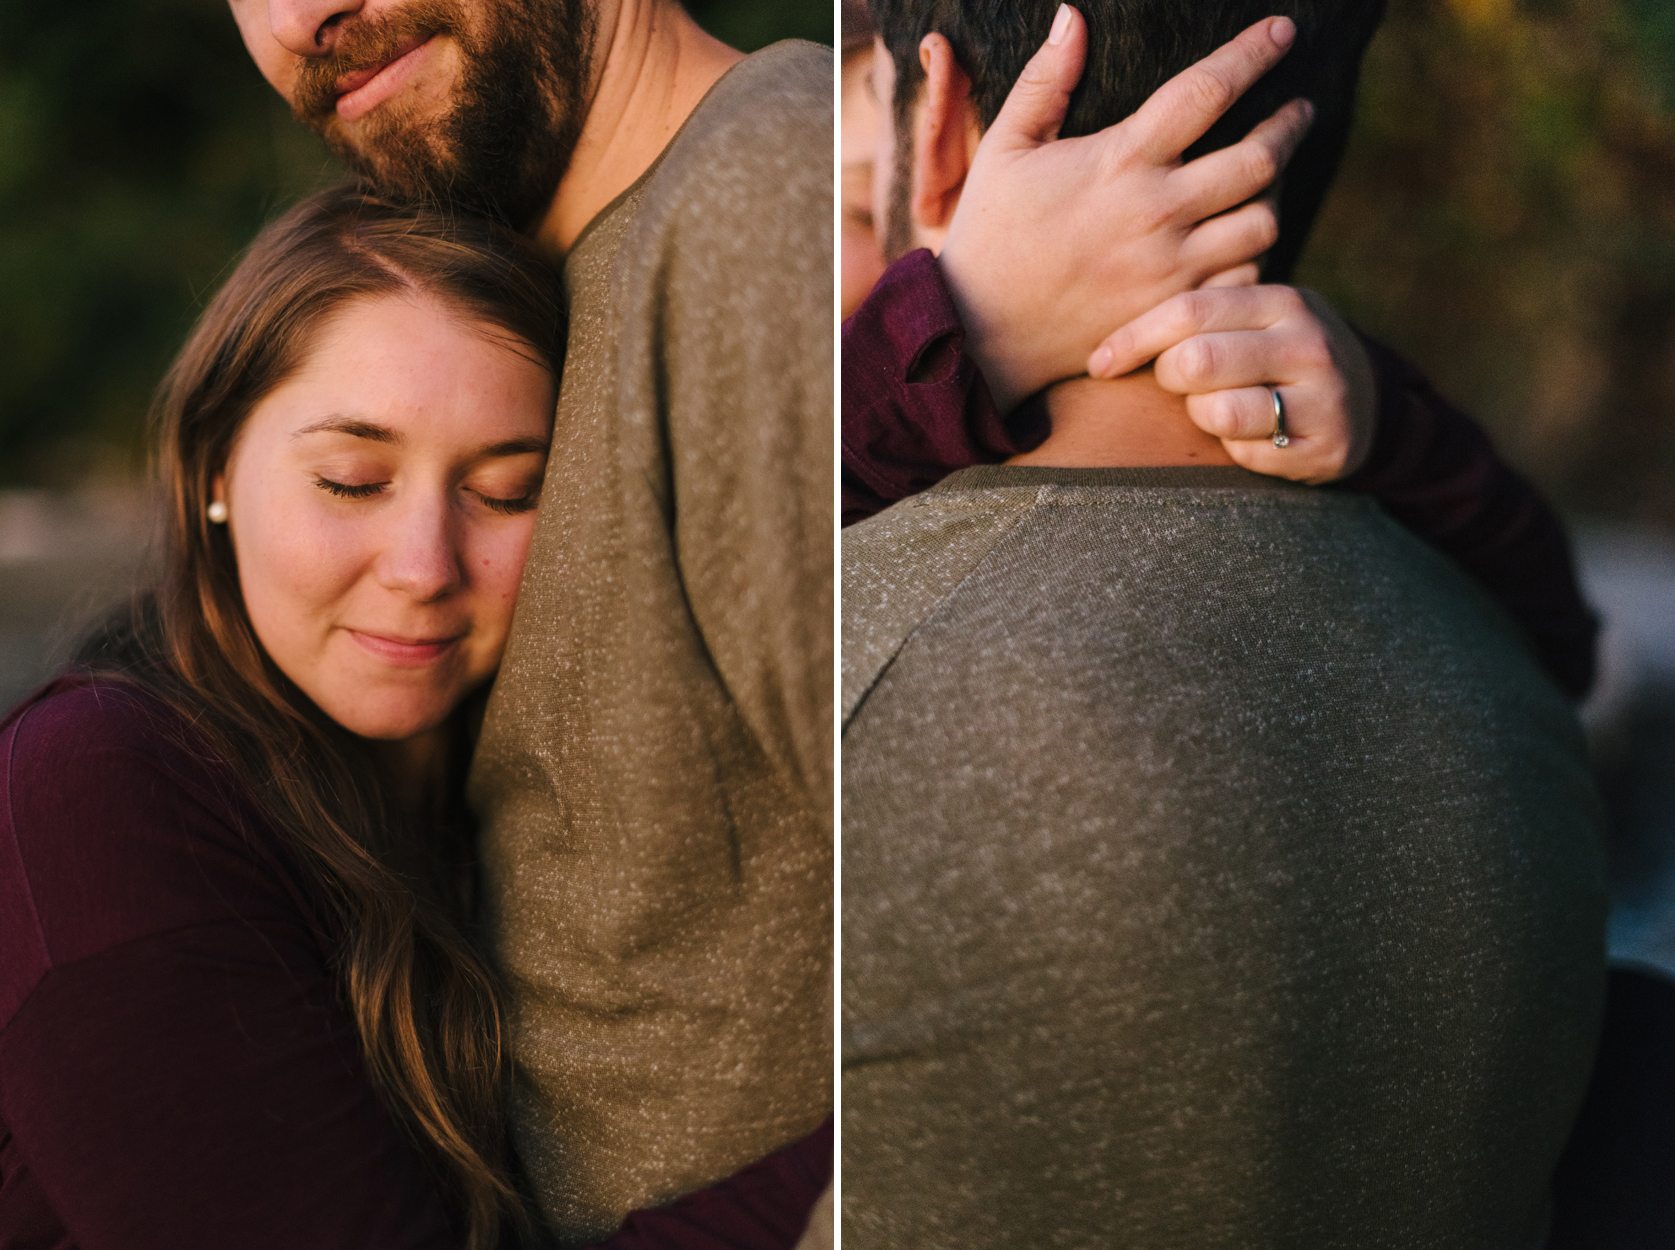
(383,434)
(348,425)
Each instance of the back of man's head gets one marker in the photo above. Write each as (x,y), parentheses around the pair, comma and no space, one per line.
(1134,46)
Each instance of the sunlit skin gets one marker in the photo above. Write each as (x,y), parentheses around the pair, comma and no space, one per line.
(1152,427)
(381,502)
(860,250)
(652,64)
(1222,350)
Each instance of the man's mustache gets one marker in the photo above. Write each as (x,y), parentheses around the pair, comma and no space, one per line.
(365,44)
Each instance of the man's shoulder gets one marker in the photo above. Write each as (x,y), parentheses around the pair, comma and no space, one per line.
(793,70)
(756,151)
(1194,560)
(770,105)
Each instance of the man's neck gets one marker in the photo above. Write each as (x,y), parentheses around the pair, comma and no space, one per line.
(1127,422)
(656,63)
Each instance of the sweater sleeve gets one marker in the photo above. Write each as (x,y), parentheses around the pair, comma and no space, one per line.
(175,1067)
(765,1206)
(916,408)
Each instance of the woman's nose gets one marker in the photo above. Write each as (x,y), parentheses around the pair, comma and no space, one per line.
(309,27)
(421,557)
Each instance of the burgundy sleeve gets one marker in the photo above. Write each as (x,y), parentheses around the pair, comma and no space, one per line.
(915,409)
(764,1207)
(915,406)
(1437,474)
(175,1068)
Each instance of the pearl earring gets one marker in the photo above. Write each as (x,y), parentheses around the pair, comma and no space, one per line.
(217,512)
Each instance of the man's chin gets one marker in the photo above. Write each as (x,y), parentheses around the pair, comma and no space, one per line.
(424,175)
(402,162)
(497,141)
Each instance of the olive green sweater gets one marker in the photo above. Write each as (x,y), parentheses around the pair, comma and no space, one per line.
(1218,871)
(654,772)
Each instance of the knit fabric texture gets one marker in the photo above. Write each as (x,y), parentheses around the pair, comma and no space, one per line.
(1219,870)
(654,772)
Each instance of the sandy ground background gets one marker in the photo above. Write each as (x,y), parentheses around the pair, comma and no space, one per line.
(64,560)
(1629,576)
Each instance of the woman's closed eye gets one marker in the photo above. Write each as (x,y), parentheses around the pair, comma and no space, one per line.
(508,484)
(347,490)
(510,507)
(494,502)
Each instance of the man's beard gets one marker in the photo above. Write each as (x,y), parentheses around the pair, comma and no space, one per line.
(506,136)
(897,234)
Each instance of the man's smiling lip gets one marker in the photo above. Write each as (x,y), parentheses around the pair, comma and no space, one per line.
(359,93)
(405,651)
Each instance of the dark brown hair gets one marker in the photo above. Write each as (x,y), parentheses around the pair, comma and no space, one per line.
(424,1004)
(856,26)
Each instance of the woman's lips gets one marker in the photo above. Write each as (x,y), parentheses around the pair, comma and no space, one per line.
(410,652)
(359,93)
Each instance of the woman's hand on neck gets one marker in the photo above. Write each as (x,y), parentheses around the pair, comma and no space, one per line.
(1126,422)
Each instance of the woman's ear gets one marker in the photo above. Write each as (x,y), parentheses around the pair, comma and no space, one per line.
(945,139)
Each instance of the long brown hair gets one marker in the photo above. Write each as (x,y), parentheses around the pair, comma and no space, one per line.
(424,1003)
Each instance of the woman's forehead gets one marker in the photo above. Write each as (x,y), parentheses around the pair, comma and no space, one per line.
(405,371)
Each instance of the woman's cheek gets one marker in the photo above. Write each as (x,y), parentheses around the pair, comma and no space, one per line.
(297,562)
(321,543)
(500,559)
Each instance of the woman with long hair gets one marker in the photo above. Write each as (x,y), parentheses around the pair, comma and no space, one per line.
(240,1003)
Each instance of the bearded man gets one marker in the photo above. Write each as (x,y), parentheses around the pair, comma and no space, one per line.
(653,777)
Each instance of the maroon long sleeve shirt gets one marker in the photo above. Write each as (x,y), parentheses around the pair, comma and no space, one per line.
(176,1069)
(916,408)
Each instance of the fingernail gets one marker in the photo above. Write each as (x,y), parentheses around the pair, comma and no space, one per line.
(1061,25)
(1282,30)
(1099,362)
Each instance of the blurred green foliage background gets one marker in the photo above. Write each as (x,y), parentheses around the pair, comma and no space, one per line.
(139,151)
(1506,217)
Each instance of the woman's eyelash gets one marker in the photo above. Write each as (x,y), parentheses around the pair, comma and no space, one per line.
(506,507)
(345,491)
(510,507)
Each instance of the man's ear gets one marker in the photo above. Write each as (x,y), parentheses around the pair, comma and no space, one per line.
(945,137)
